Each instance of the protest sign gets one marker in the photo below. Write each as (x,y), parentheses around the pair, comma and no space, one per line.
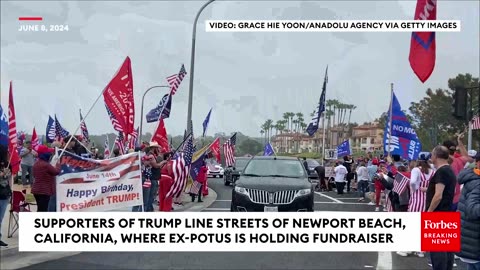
(98,185)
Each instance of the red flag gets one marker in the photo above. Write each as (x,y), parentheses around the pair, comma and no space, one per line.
(12,134)
(161,138)
(215,149)
(118,96)
(422,45)
(34,139)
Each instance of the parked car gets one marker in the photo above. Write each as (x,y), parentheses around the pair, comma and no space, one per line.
(273,184)
(214,169)
(312,164)
(233,173)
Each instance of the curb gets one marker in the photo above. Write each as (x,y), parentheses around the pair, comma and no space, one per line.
(188,207)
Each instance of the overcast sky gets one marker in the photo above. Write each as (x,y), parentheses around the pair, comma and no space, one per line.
(246,77)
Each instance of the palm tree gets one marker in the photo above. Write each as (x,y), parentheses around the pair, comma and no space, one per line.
(291,115)
(351,108)
(262,132)
(286,118)
(268,128)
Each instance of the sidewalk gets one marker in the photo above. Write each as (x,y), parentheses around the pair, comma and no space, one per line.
(11,258)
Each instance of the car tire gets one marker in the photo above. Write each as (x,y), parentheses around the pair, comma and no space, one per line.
(221,176)
(232,209)
(214,176)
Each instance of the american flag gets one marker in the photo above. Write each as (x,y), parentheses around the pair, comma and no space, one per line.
(133,142)
(476,122)
(175,80)
(400,184)
(83,127)
(115,123)
(60,132)
(181,168)
(229,150)
(195,188)
(106,146)
(119,143)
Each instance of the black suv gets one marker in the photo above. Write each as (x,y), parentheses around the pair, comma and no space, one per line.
(273,184)
(232,174)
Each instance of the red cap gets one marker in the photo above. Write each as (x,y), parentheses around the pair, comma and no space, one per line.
(375,162)
(42,149)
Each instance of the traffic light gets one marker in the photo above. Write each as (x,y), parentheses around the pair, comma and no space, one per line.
(460,102)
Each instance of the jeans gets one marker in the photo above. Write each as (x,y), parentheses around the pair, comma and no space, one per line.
(3,208)
(442,260)
(362,188)
(25,169)
(340,187)
(473,266)
(151,196)
(146,194)
(52,204)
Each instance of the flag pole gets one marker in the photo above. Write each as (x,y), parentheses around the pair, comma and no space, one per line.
(390,120)
(323,141)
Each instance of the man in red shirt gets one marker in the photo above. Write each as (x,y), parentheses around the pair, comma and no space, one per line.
(457,163)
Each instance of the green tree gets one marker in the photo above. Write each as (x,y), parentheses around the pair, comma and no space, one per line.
(250,146)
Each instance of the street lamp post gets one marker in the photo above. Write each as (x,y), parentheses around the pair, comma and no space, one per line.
(143,99)
(192,67)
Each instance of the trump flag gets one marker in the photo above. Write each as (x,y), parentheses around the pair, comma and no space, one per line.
(422,44)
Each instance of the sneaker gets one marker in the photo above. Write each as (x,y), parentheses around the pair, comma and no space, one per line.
(430,264)
(371,203)
(421,254)
(3,244)
(402,253)
(385,209)
(377,209)
(454,265)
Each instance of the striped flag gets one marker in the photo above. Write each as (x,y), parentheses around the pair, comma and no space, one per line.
(476,122)
(181,168)
(133,142)
(35,141)
(50,130)
(116,125)
(175,80)
(229,150)
(119,143)
(60,132)
(106,152)
(83,127)
(12,135)
(195,188)
(400,184)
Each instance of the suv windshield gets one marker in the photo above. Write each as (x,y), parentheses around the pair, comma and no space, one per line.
(277,168)
(240,164)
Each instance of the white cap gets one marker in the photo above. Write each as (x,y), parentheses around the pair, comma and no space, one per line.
(472,153)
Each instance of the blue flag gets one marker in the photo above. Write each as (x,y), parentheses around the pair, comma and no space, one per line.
(3,128)
(268,150)
(344,149)
(50,130)
(313,126)
(164,107)
(205,123)
(404,140)
(195,167)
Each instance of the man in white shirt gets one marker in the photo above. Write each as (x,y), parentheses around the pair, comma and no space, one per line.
(340,173)
(362,174)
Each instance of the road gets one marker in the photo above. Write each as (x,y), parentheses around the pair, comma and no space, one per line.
(242,260)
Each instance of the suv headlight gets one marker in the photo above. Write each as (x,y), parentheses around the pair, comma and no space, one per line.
(241,190)
(303,192)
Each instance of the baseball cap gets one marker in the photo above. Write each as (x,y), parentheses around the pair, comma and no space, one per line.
(375,161)
(472,153)
(42,149)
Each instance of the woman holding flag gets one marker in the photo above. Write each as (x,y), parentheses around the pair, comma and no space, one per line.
(166,182)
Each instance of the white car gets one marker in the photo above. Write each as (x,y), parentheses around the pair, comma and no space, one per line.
(215,170)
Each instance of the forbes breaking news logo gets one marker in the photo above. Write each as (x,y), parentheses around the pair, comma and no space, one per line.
(441,232)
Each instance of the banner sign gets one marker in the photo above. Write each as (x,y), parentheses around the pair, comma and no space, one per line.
(88,185)
(240,232)
(344,149)
(330,153)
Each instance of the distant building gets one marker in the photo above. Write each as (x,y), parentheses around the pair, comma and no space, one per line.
(367,137)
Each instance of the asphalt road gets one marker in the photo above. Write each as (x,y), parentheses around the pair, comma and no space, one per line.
(241,260)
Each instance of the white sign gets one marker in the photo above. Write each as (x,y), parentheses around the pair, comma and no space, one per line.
(99,185)
(214,232)
(331,154)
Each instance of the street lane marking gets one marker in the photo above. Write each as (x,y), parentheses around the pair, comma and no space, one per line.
(349,203)
(328,197)
(216,209)
(384,261)
(223,200)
